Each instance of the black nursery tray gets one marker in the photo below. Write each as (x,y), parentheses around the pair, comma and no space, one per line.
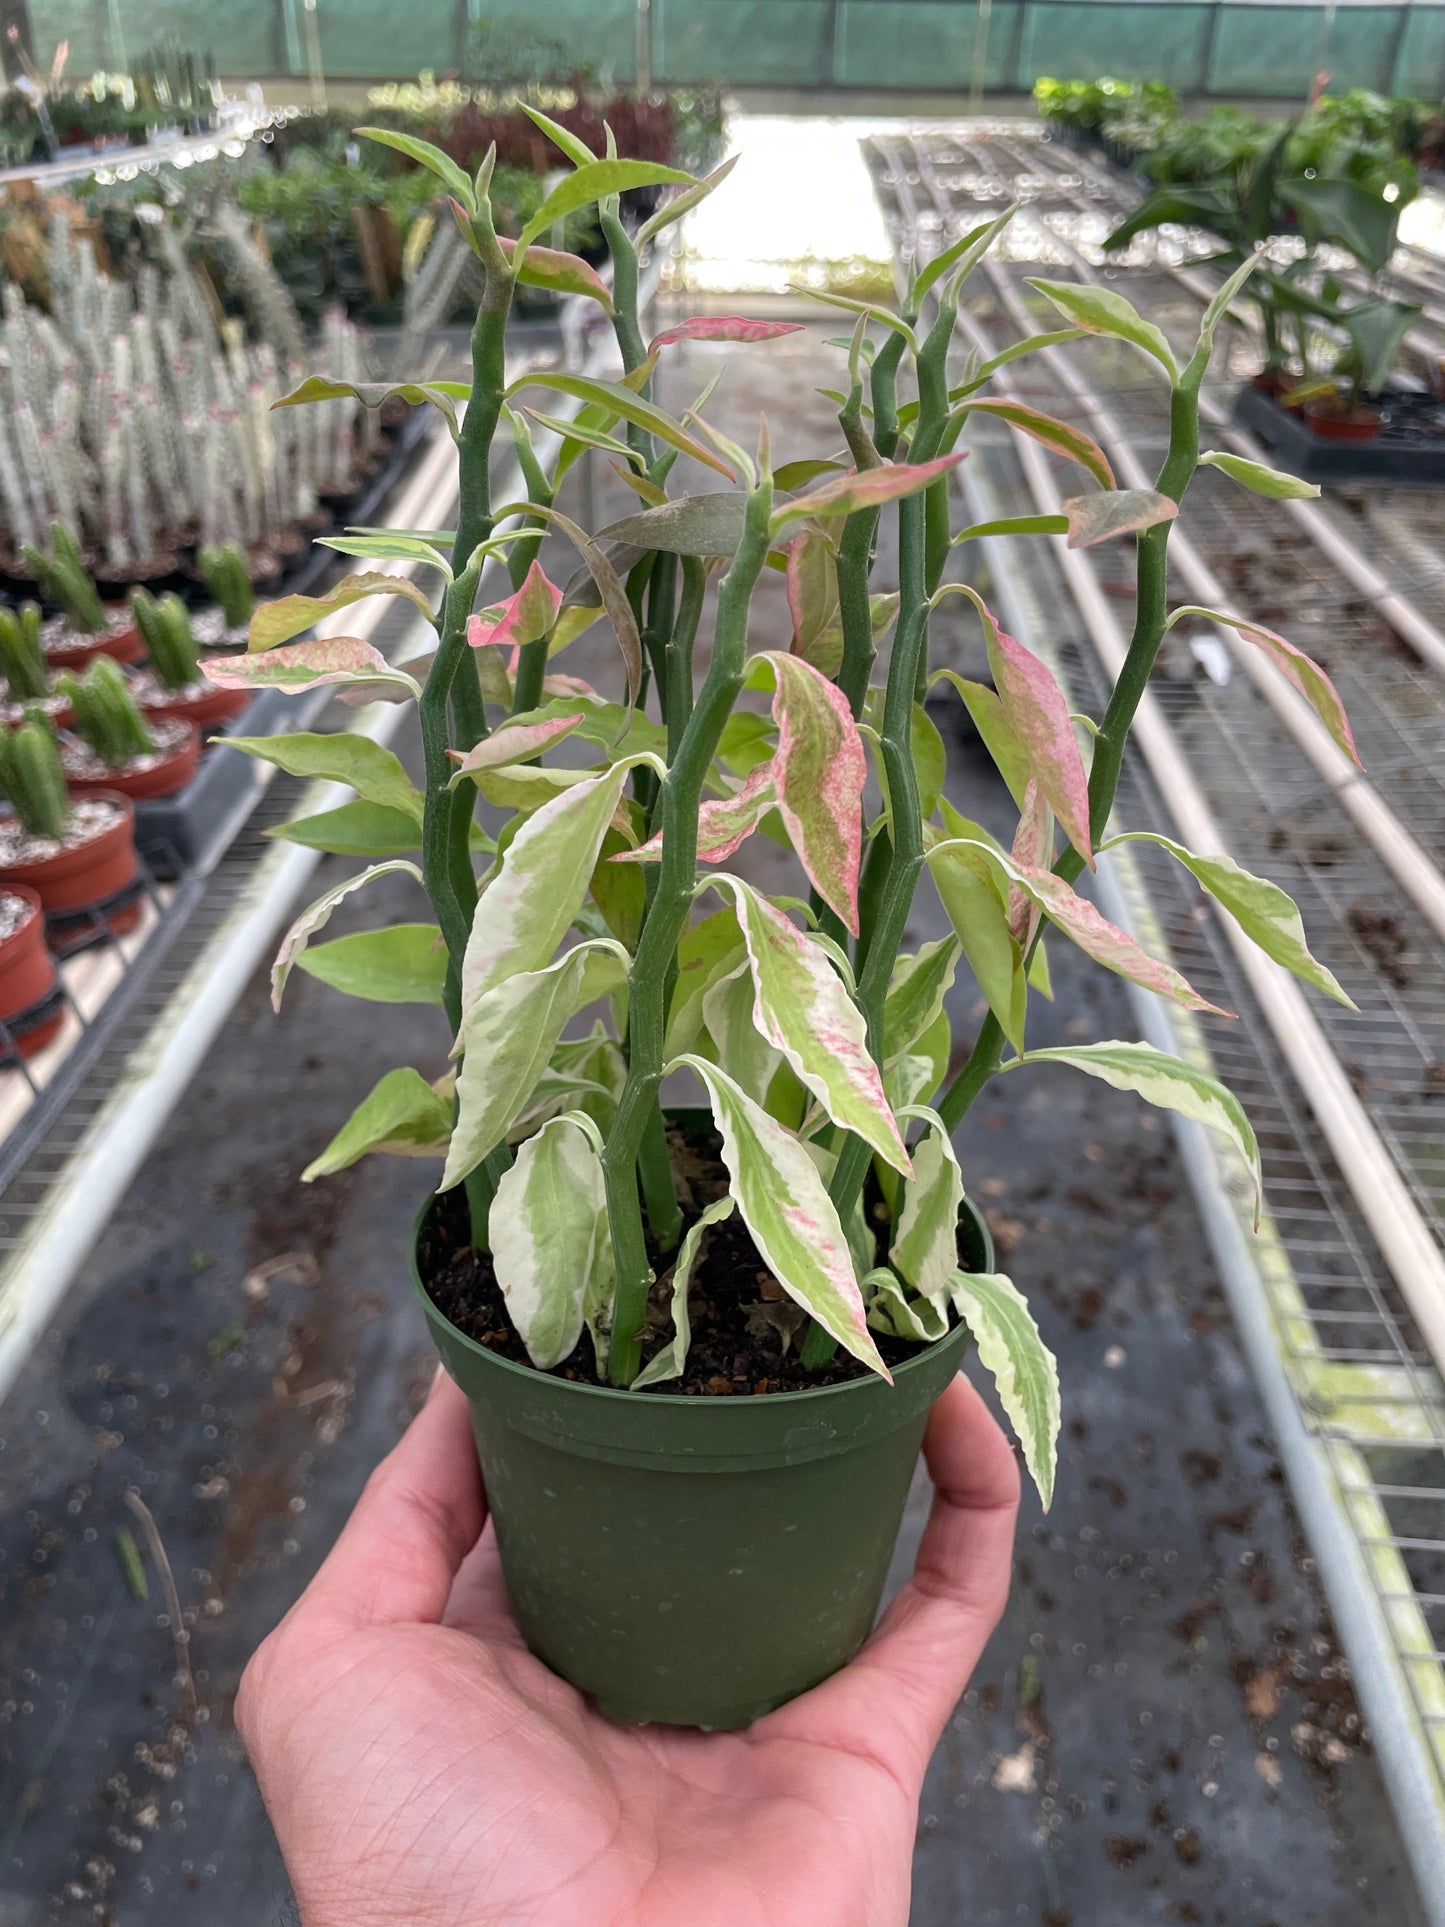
(190,830)
(1409,450)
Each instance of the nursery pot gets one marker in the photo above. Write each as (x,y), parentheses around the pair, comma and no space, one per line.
(161,777)
(207,709)
(1335,424)
(88,873)
(121,640)
(695,1561)
(27,976)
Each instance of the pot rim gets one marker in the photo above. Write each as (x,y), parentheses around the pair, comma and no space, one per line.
(774,1401)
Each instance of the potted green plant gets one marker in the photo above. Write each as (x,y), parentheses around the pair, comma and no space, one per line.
(224,572)
(76,853)
(31,1008)
(84,626)
(701,1340)
(28,677)
(114,746)
(172,684)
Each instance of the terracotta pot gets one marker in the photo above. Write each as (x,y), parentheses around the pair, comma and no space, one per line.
(27,977)
(74,879)
(1334,423)
(208,709)
(122,642)
(164,778)
(56,708)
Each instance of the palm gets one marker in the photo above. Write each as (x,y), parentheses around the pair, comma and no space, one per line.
(423,1768)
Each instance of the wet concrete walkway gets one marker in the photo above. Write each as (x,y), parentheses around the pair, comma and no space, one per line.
(1161,1731)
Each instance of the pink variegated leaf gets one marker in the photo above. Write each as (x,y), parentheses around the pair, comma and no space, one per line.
(1115,511)
(1105,942)
(563,685)
(723,822)
(563,273)
(1062,436)
(1033,849)
(865,488)
(1302,670)
(819,769)
(526,616)
(813,601)
(1035,708)
(723,327)
(306,665)
(513,743)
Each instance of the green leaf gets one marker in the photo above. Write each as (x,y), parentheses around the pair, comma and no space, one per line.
(790,1215)
(279,621)
(1257,476)
(1062,437)
(1100,311)
(683,203)
(594,181)
(916,992)
(550,1244)
(685,525)
(446,170)
(794,475)
(1013,525)
(1264,912)
(403,964)
(1009,756)
(618,400)
(1301,670)
(1031,345)
(372,771)
(572,145)
(803,1010)
(388,548)
(541,882)
(1166,1081)
(925,1241)
(894,1310)
(978,910)
(706,952)
(355,829)
(1021,1365)
(316,916)
(403,1115)
(507,1039)
(669,1362)
(964,255)
(441,395)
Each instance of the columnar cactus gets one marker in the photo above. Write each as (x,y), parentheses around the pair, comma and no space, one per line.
(22,658)
(106,714)
(32,779)
(223,568)
(62,576)
(166,627)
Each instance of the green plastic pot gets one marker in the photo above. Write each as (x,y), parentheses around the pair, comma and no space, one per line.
(696,1561)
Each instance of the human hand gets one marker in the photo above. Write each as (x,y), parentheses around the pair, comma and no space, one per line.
(422,1769)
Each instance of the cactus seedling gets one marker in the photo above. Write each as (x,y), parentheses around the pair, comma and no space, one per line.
(226,576)
(172,648)
(31,777)
(62,576)
(22,657)
(106,716)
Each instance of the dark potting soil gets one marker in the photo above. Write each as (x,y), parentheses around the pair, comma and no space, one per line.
(745,1329)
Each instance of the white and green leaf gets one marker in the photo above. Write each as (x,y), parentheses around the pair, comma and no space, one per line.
(1021,1365)
(669,1362)
(549,1235)
(402,1115)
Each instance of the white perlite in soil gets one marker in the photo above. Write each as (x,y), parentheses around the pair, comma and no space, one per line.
(15,913)
(167,733)
(212,631)
(90,817)
(60,633)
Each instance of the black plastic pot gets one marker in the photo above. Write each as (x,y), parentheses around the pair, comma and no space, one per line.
(696,1561)
(1414,462)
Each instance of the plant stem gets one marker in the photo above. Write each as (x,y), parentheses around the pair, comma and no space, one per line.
(666,918)
(677,692)
(1151,608)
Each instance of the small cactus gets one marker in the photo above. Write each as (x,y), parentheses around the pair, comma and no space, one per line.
(106,715)
(22,658)
(224,568)
(166,627)
(62,576)
(31,777)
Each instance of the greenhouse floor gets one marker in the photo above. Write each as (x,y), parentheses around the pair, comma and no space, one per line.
(1163,1728)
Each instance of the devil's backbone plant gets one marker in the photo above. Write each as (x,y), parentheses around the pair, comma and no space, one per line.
(603,1279)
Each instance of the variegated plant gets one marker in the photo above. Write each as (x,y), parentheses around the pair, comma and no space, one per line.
(822,1051)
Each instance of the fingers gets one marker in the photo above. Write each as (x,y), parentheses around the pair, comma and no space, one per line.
(910,1675)
(420,1515)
